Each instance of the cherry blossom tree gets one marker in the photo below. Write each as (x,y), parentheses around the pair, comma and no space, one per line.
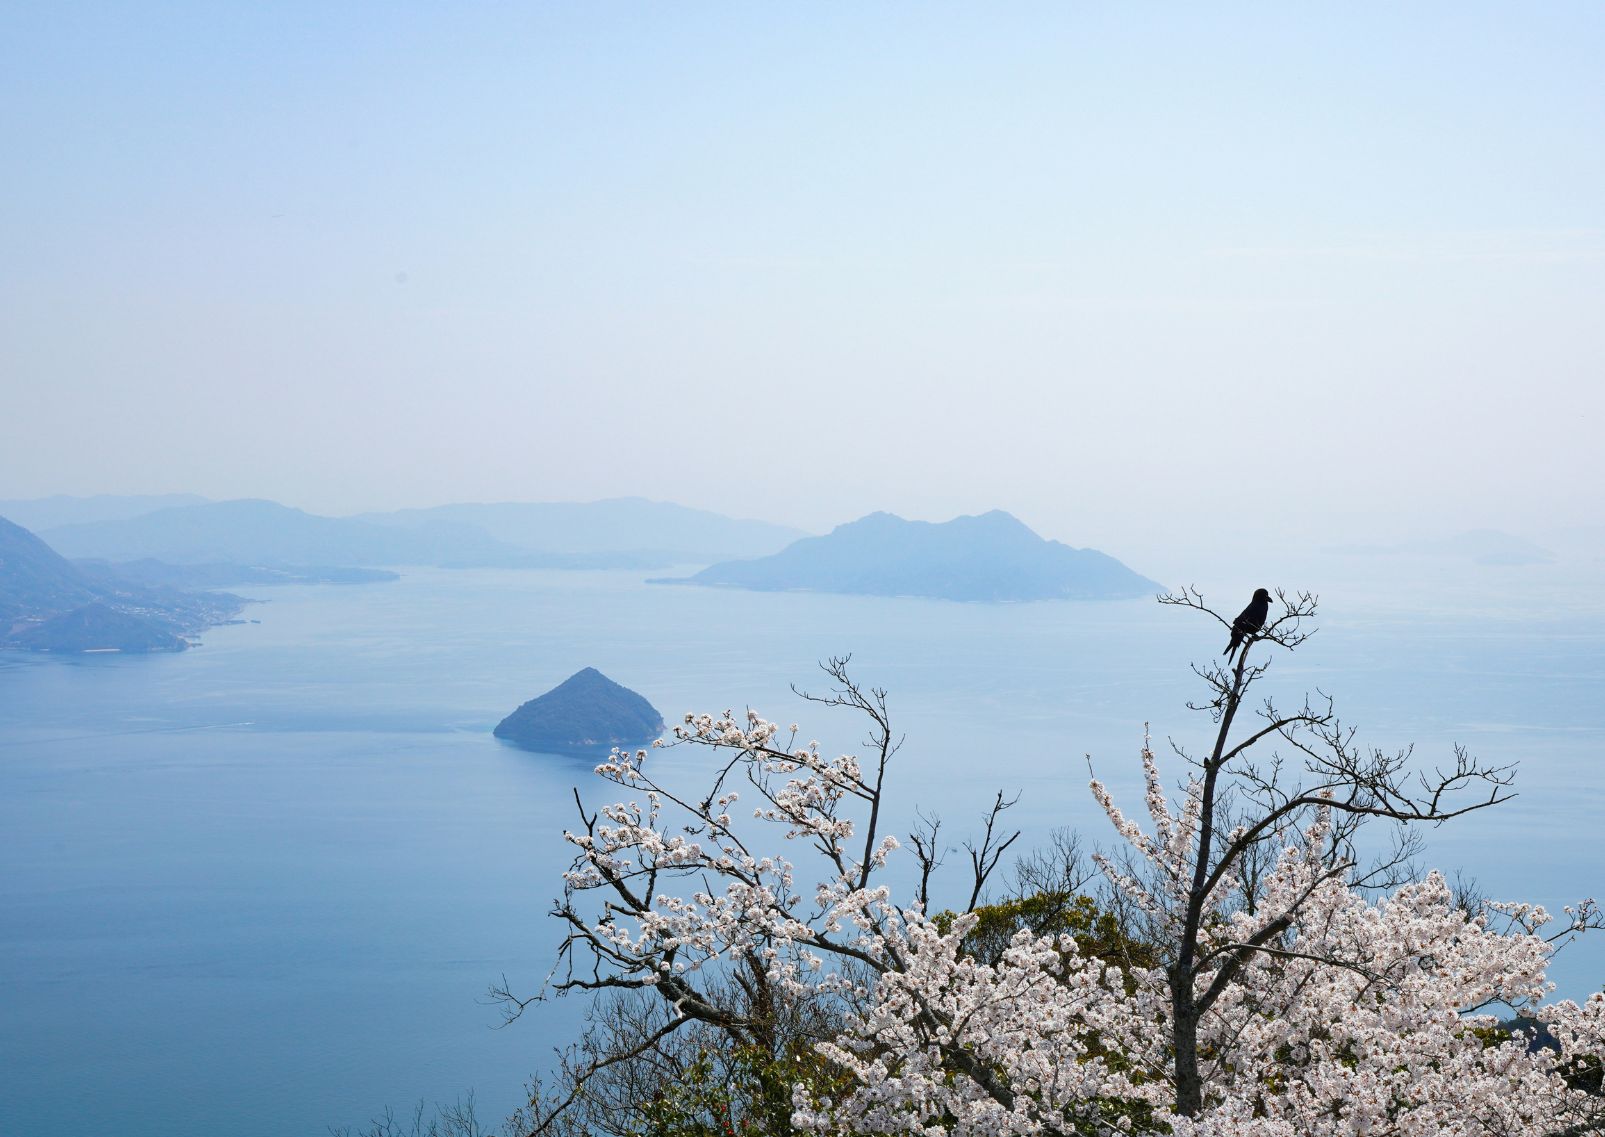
(1284,987)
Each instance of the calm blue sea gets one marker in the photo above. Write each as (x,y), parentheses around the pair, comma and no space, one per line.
(261,887)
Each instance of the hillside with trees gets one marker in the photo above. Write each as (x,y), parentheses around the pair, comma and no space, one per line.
(49,604)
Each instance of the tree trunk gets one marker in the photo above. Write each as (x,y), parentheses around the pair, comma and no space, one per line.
(1184,1018)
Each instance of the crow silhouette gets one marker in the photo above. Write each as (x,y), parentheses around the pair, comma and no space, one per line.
(1250,620)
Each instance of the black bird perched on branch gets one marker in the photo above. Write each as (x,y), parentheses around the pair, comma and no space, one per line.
(1250,620)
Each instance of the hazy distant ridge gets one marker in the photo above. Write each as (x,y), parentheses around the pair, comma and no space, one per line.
(621,533)
(47,604)
(37,514)
(254,532)
(612,525)
(991,557)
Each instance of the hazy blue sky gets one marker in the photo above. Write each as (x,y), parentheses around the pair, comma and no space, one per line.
(1126,270)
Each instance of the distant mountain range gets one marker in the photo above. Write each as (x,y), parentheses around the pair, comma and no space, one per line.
(992,557)
(252,532)
(671,534)
(621,533)
(48,604)
(37,514)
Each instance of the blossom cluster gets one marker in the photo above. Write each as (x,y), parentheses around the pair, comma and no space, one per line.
(1336,1013)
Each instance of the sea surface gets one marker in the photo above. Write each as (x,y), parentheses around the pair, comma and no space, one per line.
(261,888)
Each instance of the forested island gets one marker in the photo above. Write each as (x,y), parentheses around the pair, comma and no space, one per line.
(990,557)
(586,712)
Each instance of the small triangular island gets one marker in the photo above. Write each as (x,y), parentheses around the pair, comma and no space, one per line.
(584,713)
